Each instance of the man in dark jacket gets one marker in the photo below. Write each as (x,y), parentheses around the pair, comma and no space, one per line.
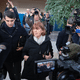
(76,36)
(62,38)
(49,27)
(10,33)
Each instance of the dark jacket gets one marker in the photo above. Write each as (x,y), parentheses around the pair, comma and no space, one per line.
(75,38)
(24,19)
(61,39)
(35,52)
(12,42)
(49,27)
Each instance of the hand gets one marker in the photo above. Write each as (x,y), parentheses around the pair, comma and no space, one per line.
(50,32)
(19,48)
(24,26)
(48,56)
(26,57)
(7,4)
(11,3)
(60,52)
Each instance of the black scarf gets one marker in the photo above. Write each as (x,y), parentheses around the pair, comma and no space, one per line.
(10,30)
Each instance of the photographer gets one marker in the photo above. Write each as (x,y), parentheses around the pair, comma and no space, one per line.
(62,37)
(49,27)
(76,36)
(37,47)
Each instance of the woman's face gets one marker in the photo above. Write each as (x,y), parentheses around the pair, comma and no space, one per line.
(37,31)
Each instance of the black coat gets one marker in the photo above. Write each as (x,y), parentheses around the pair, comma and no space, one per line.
(61,39)
(75,38)
(34,51)
(11,42)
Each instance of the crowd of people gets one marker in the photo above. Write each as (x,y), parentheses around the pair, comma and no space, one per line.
(34,15)
(29,43)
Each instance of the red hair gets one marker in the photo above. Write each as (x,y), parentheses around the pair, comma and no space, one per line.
(37,25)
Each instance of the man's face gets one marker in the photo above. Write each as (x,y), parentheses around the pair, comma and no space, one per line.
(47,15)
(36,17)
(78,27)
(28,11)
(9,21)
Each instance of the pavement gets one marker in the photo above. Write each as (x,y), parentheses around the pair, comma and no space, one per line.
(53,37)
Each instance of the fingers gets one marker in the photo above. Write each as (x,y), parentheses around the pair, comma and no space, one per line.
(26,57)
(19,48)
(60,52)
(48,57)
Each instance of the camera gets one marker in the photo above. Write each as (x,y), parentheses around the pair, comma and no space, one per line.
(36,12)
(64,68)
(68,67)
(74,20)
(46,66)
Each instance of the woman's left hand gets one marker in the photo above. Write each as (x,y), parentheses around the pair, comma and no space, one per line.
(48,56)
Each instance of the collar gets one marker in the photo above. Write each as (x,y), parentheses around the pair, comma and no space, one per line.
(40,40)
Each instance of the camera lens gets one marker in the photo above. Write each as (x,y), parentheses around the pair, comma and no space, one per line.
(36,12)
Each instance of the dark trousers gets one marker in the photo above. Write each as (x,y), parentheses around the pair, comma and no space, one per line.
(14,70)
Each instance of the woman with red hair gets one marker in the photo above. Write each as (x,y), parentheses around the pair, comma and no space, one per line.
(37,47)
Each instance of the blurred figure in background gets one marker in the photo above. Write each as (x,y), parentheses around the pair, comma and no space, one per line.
(0,18)
(27,15)
(49,27)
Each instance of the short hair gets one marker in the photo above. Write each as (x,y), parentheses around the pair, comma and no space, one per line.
(9,14)
(39,24)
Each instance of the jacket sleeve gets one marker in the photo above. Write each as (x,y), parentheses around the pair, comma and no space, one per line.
(59,41)
(26,51)
(6,9)
(16,14)
(24,20)
(51,49)
(23,38)
(26,48)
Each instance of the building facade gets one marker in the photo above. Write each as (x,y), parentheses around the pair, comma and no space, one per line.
(22,5)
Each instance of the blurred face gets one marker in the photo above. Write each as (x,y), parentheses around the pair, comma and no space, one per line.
(37,31)
(47,15)
(78,27)
(28,11)
(32,11)
(9,21)
(36,17)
